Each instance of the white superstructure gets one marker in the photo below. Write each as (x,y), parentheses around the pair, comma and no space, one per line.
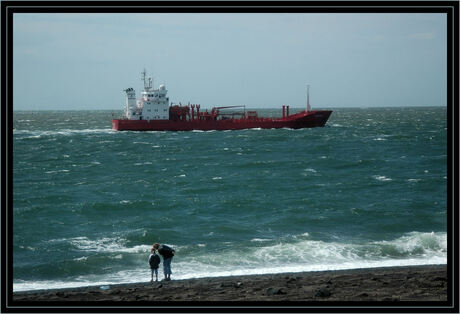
(153,104)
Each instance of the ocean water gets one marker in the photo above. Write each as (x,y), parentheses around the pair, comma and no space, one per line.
(367,190)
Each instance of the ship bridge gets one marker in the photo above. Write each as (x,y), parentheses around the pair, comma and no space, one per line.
(153,104)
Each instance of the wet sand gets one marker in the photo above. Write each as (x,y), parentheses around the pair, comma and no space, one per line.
(392,284)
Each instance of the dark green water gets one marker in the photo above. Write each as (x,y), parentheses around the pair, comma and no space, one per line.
(367,190)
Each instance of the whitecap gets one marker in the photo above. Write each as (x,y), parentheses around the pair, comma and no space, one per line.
(64,132)
(260,240)
(114,245)
(382,178)
(83,258)
(56,171)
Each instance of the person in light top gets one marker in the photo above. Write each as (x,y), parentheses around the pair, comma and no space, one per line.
(167,253)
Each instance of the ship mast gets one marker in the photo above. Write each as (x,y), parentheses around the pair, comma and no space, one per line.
(308,98)
(144,78)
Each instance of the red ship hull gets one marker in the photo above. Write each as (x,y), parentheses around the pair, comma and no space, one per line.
(310,119)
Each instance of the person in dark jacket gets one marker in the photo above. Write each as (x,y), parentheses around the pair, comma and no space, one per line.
(167,253)
(154,262)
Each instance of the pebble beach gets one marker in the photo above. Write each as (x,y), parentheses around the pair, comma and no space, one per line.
(391,284)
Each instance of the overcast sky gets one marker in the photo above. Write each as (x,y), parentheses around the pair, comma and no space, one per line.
(84,61)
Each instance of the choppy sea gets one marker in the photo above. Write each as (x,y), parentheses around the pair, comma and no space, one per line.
(367,190)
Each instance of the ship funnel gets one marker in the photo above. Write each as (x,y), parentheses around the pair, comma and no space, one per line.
(130,105)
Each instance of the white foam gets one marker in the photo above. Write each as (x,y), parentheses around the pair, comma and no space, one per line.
(202,131)
(65,132)
(83,258)
(200,270)
(303,235)
(260,240)
(108,245)
(295,254)
(381,178)
(430,243)
(56,171)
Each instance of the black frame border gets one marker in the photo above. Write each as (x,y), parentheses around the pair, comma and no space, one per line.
(451,8)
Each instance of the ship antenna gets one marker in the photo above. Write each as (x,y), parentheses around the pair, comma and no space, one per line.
(308,98)
(144,73)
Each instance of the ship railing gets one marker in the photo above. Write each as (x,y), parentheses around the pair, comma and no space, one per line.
(296,115)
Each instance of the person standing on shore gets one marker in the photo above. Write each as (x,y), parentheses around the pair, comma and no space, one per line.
(167,253)
(154,262)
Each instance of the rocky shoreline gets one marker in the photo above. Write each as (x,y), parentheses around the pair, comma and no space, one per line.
(390,284)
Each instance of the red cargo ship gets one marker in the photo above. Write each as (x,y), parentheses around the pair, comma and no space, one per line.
(152,112)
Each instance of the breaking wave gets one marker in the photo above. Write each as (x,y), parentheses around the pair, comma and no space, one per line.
(29,134)
(261,256)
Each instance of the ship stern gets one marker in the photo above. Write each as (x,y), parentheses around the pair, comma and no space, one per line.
(115,124)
